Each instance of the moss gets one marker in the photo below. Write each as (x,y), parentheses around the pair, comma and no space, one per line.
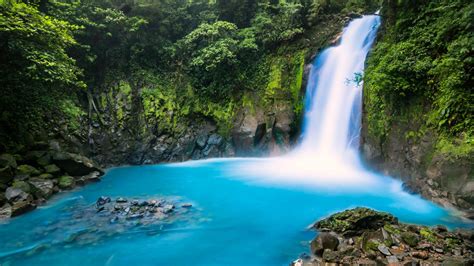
(66,182)
(428,235)
(455,148)
(410,238)
(25,169)
(371,244)
(24,186)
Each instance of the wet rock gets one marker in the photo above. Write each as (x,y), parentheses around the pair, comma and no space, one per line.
(46,176)
(7,160)
(52,169)
(121,200)
(409,244)
(168,208)
(201,141)
(25,169)
(75,164)
(66,182)
(186,205)
(5,211)
(356,221)
(392,260)
(20,201)
(324,241)
(6,175)
(384,250)
(103,200)
(24,186)
(410,238)
(43,188)
(215,139)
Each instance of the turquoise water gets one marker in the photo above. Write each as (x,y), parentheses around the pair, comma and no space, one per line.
(245,211)
(235,219)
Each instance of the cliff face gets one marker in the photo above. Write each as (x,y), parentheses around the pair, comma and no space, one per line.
(417,122)
(161,120)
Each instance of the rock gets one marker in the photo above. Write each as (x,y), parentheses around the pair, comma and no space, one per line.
(43,188)
(6,175)
(103,200)
(186,205)
(330,255)
(44,160)
(324,241)
(354,222)
(3,199)
(121,200)
(215,139)
(66,182)
(384,250)
(13,194)
(168,208)
(201,141)
(33,156)
(46,176)
(410,238)
(392,260)
(25,169)
(75,164)
(7,160)
(420,255)
(24,186)
(20,201)
(5,211)
(52,169)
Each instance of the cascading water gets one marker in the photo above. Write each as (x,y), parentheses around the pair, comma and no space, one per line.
(332,117)
(328,152)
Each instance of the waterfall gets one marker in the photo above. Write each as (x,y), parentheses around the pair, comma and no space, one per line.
(333,94)
(328,155)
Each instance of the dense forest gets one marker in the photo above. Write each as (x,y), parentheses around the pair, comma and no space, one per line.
(63,59)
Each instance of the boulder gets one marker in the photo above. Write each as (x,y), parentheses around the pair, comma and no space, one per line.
(23,185)
(5,211)
(354,222)
(52,169)
(46,176)
(215,139)
(43,188)
(7,160)
(201,141)
(26,169)
(66,182)
(20,201)
(75,164)
(6,175)
(324,241)
(44,160)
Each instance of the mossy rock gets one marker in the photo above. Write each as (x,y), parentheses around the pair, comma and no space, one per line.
(25,169)
(66,182)
(52,169)
(410,238)
(355,221)
(7,160)
(44,160)
(24,186)
(46,176)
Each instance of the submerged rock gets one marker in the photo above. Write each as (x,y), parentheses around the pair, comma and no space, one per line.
(364,236)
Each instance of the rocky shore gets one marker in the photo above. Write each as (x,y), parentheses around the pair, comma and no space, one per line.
(364,236)
(29,179)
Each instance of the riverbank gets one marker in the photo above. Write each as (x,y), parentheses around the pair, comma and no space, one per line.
(364,236)
(29,179)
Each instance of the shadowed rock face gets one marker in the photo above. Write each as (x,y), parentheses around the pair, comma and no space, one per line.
(36,175)
(364,236)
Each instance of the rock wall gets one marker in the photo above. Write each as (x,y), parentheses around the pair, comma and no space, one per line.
(417,160)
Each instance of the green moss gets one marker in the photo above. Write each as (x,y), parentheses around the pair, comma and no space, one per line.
(410,238)
(458,147)
(428,235)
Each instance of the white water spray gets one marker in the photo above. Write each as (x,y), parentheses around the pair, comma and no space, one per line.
(328,152)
